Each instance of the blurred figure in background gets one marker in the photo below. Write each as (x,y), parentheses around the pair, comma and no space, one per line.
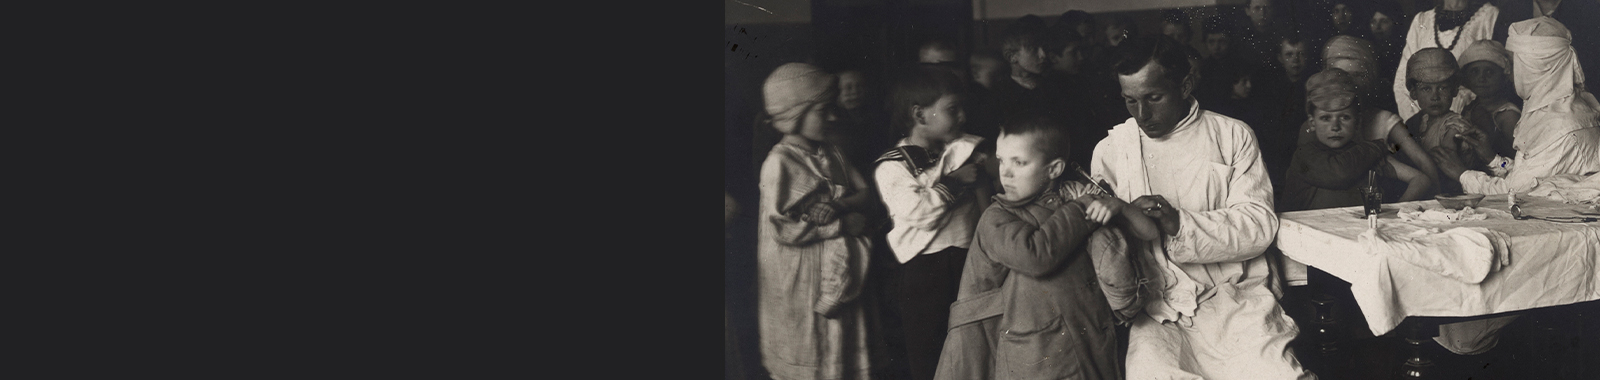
(1175,24)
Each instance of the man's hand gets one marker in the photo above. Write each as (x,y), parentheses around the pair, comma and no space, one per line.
(1446,159)
(1156,207)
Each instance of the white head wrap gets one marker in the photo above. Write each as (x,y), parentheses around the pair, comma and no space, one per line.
(1545,69)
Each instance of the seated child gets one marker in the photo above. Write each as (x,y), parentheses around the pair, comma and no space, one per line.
(811,258)
(1431,77)
(1329,171)
(1028,289)
(1378,120)
(1486,69)
(933,186)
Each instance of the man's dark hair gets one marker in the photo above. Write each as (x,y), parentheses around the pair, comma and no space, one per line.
(1051,131)
(922,86)
(1136,52)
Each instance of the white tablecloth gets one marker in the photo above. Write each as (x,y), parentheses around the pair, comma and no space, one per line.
(1550,263)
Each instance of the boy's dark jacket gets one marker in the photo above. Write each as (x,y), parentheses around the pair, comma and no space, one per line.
(1029,305)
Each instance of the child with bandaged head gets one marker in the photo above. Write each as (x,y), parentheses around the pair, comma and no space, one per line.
(812,256)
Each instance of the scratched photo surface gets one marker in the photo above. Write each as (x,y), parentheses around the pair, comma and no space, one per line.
(867,44)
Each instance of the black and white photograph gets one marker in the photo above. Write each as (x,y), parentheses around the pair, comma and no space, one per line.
(1161,189)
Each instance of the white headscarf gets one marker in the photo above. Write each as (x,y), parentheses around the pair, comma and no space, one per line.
(1546,71)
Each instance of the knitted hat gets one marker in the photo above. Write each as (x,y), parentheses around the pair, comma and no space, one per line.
(1487,50)
(1330,90)
(1431,65)
(791,88)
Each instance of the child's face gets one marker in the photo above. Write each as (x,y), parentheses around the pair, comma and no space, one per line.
(1032,59)
(1217,43)
(1484,78)
(1068,58)
(1342,15)
(1241,88)
(1434,97)
(851,90)
(1381,25)
(942,121)
(818,119)
(1334,128)
(1024,171)
(1293,57)
(1178,32)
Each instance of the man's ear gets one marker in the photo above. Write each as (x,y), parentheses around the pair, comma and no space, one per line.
(1057,166)
(916,114)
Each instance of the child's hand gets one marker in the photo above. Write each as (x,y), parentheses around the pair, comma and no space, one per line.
(821,213)
(1475,141)
(1101,210)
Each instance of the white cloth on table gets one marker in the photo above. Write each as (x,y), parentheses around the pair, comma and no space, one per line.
(1462,254)
(1546,264)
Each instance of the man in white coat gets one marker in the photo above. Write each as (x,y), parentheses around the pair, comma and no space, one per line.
(1210,312)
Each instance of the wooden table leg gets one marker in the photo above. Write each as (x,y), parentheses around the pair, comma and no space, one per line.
(1326,323)
(1417,366)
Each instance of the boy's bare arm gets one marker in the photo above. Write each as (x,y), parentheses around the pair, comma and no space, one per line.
(1417,184)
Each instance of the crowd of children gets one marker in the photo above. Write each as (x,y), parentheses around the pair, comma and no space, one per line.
(964,173)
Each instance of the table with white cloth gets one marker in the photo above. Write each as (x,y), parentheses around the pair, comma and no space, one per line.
(1529,264)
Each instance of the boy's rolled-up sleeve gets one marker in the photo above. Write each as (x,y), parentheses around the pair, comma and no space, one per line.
(1034,250)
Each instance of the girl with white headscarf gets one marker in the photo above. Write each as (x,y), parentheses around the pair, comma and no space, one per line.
(1558,132)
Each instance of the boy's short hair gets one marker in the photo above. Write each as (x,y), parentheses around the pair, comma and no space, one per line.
(1022,35)
(1062,36)
(1049,130)
(1135,53)
(1290,39)
(922,86)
